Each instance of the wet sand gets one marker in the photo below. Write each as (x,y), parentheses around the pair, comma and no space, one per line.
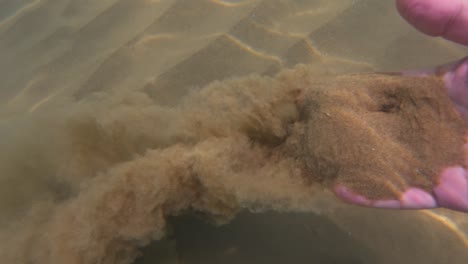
(62,59)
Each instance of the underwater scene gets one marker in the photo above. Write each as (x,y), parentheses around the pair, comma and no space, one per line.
(232,131)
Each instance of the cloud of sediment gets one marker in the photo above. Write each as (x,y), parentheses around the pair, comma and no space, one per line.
(93,180)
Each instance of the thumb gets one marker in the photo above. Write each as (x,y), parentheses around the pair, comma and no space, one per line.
(444,18)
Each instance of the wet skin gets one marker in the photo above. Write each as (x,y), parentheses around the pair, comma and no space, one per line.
(392,141)
(447,19)
(441,18)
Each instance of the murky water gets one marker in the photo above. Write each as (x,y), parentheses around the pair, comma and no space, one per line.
(89,93)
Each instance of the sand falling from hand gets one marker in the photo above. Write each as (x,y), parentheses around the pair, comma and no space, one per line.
(97,179)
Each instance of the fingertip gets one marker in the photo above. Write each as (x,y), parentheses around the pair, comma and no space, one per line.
(349,196)
(448,19)
(415,198)
(452,190)
(429,16)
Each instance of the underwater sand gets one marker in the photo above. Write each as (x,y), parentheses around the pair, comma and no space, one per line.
(96,92)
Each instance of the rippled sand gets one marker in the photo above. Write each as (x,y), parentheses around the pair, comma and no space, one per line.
(60,58)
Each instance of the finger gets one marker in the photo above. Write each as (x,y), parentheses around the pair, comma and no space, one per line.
(447,18)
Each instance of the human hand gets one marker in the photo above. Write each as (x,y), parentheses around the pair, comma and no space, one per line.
(448,181)
(447,19)
(442,18)
(449,185)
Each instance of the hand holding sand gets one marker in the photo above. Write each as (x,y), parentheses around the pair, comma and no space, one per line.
(447,19)
(449,183)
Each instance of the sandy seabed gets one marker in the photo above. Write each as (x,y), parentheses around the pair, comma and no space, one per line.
(105,135)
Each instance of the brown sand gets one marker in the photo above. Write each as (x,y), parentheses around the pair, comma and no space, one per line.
(52,149)
(129,163)
(379,134)
(258,143)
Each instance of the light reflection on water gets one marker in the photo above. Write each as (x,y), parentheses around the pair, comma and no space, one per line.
(56,52)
